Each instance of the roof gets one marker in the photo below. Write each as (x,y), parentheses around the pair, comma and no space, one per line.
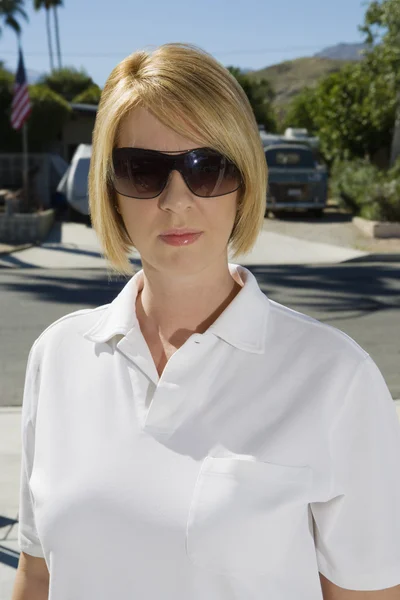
(90,108)
(288,145)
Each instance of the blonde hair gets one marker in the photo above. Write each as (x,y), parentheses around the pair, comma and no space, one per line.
(193,94)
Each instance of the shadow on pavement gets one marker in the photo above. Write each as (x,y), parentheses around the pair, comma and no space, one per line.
(8,556)
(329,216)
(331,289)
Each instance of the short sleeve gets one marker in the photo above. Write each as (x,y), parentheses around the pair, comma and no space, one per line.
(357,531)
(28,539)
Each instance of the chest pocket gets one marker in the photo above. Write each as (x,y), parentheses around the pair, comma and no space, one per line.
(245,514)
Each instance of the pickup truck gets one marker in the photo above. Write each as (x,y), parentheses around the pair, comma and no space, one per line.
(296,180)
(74,185)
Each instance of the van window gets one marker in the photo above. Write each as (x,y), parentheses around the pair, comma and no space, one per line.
(286,158)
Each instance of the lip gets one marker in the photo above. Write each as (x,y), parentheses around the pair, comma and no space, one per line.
(181,240)
(177,231)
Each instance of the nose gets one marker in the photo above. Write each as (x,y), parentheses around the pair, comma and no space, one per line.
(176,195)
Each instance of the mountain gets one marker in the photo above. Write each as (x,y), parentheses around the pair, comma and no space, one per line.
(290,77)
(343,51)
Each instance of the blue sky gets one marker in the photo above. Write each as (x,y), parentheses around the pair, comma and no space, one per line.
(96,35)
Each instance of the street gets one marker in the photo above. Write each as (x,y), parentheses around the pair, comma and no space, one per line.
(362,299)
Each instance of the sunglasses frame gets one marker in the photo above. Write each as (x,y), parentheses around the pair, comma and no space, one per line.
(175,163)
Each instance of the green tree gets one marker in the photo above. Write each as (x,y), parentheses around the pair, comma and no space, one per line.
(354,113)
(68,82)
(10,140)
(50,108)
(89,96)
(351,111)
(382,31)
(301,112)
(10,10)
(260,95)
(47,107)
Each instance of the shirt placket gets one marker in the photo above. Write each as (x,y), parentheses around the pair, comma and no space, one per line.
(180,384)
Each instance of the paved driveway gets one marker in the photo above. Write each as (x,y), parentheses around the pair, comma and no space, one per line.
(334,227)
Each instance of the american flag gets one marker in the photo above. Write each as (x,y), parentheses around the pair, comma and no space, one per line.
(21,106)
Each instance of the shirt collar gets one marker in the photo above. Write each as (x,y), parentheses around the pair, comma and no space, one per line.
(242,324)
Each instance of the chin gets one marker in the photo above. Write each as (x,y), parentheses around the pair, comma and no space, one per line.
(182,263)
(178,263)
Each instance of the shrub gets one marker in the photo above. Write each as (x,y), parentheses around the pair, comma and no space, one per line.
(366,190)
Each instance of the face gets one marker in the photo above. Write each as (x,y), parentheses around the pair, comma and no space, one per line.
(175,207)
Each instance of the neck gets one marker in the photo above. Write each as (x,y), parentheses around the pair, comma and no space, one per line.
(172,307)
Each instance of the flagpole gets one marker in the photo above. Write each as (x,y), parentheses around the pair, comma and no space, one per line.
(25,164)
(25,159)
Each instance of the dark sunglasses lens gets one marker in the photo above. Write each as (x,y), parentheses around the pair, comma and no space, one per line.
(141,175)
(138,176)
(211,174)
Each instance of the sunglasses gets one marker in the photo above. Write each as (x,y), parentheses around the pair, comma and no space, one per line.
(142,173)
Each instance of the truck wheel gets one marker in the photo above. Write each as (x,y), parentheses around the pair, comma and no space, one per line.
(317,212)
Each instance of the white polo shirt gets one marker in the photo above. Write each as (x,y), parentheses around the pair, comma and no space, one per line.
(268,451)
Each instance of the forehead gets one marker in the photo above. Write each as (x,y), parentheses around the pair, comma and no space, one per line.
(141,129)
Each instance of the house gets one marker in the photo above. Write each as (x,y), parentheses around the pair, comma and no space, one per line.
(51,165)
(78,130)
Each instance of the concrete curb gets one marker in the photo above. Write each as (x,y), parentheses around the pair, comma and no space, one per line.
(377,229)
(10,249)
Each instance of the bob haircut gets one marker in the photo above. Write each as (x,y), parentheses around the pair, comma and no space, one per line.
(193,94)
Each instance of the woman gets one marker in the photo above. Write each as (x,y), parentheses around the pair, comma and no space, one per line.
(194,439)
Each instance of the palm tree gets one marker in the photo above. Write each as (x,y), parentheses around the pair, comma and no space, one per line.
(9,11)
(48,5)
(54,4)
(38,5)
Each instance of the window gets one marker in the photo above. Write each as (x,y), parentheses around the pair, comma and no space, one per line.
(287,158)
